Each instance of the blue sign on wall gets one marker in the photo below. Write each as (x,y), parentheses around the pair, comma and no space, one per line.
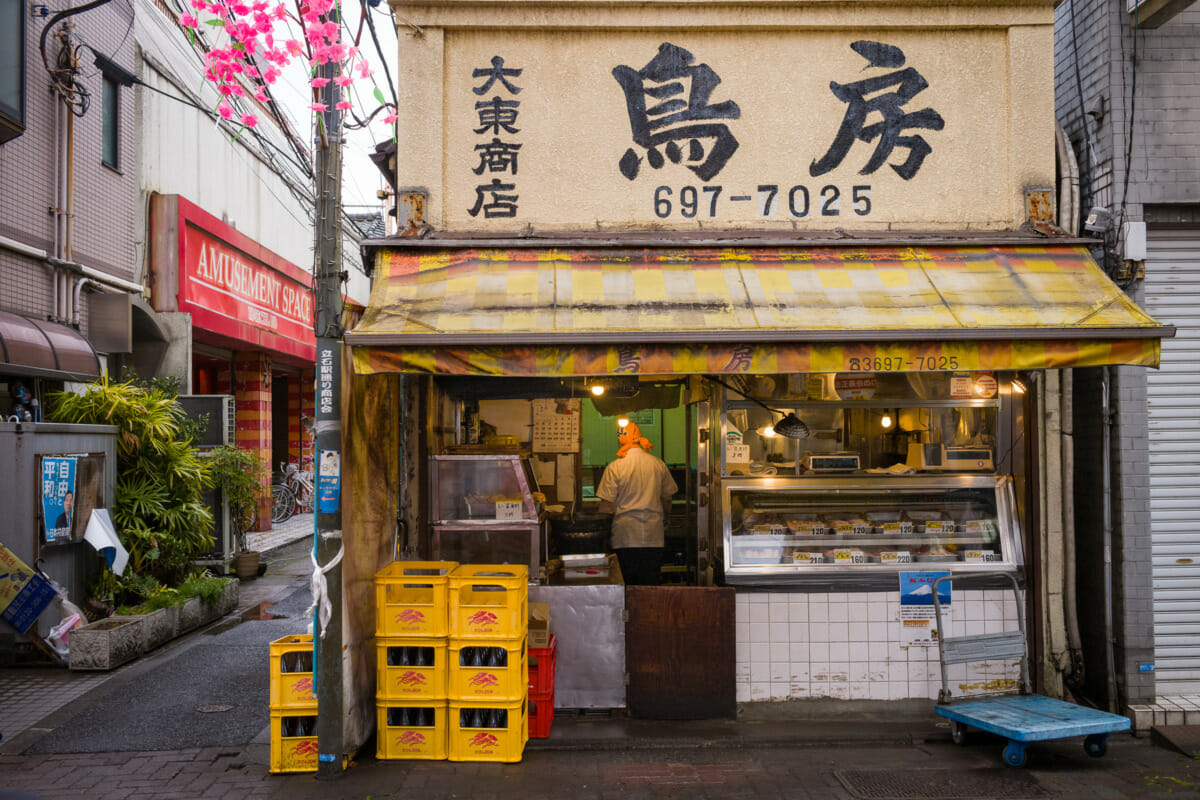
(916,588)
(58,498)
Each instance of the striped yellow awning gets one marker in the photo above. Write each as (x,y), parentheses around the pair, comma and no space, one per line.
(664,311)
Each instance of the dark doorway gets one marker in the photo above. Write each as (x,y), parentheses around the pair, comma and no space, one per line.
(280,420)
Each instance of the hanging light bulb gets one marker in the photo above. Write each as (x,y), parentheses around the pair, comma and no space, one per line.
(1018,386)
(886,421)
(622,423)
(768,432)
(597,389)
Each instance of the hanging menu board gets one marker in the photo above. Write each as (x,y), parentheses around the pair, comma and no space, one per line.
(556,426)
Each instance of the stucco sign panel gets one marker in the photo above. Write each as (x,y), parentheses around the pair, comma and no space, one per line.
(679,129)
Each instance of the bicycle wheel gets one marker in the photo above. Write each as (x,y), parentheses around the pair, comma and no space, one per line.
(283,503)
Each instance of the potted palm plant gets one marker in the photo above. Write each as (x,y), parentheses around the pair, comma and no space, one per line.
(240,476)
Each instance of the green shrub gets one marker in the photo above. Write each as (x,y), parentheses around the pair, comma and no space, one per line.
(158,508)
(241,476)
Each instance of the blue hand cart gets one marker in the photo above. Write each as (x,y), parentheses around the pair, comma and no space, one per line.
(1022,717)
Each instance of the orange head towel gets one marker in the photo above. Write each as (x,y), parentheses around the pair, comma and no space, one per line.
(631,438)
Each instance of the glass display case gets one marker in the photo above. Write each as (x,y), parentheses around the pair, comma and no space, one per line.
(820,525)
(485,511)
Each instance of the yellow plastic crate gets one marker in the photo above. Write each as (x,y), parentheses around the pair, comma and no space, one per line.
(410,669)
(293,742)
(489,601)
(411,730)
(410,598)
(488,731)
(292,674)
(488,669)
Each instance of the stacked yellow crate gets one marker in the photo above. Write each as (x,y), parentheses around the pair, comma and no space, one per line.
(293,706)
(411,656)
(489,662)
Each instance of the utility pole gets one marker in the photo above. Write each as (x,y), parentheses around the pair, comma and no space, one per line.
(327,281)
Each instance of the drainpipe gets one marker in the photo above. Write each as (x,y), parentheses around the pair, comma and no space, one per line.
(79,284)
(1106,416)
(1070,597)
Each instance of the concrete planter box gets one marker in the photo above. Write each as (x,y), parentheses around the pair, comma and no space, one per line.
(158,628)
(191,615)
(222,605)
(106,644)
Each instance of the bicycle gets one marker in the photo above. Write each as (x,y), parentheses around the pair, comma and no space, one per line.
(294,495)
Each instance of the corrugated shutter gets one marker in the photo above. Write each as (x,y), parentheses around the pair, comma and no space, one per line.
(1172,295)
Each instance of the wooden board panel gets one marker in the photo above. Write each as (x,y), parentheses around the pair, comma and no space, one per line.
(679,652)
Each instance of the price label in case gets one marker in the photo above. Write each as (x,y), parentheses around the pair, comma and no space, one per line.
(938,527)
(979,556)
(849,557)
(779,530)
(737,453)
(808,558)
(509,509)
(896,557)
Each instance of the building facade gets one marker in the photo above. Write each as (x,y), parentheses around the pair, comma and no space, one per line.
(1126,98)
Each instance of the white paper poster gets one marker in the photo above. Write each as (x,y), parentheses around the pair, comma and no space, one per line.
(565,488)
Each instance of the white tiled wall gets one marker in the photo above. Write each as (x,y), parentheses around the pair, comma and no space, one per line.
(793,645)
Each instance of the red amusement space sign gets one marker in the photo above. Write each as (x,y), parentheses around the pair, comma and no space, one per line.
(235,287)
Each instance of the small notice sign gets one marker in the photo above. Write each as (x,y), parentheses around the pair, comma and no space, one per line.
(509,509)
(737,453)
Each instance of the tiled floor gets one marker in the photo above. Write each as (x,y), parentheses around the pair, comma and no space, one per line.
(1177,710)
(295,528)
(30,695)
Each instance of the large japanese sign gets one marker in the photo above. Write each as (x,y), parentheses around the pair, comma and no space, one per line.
(239,289)
(58,498)
(691,128)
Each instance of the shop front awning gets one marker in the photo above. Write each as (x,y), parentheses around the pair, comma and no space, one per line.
(37,349)
(667,311)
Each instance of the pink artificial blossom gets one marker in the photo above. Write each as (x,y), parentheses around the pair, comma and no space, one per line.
(319,83)
(342,80)
(249,120)
(225,110)
(318,107)
(390,118)
(344,105)
(188,21)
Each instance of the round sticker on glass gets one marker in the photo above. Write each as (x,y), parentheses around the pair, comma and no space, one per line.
(854,385)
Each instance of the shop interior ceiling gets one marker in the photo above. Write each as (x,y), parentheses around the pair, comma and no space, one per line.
(622,393)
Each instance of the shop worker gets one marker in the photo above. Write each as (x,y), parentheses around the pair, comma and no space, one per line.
(636,489)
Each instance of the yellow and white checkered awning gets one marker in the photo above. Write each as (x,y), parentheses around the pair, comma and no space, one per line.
(662,311)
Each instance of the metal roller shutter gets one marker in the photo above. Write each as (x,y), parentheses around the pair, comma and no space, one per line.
(1172,295)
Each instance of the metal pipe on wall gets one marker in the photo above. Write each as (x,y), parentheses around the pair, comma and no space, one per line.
(1070,596)
(1107,526)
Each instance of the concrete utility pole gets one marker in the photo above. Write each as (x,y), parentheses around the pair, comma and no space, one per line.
(327,281)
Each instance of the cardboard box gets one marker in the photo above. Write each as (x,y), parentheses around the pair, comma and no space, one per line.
(539,624)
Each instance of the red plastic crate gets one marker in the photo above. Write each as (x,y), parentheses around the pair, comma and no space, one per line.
(541,667)
(541,715)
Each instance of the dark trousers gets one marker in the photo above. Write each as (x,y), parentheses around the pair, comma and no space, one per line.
(641,566)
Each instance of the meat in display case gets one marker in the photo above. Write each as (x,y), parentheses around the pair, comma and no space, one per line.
(783,526)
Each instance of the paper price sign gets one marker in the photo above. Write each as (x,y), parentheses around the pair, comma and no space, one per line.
(779,530)
(896,557)
(509,510)
(737,453)
(808,558)
(849,557)
(938,527)
(979,556)
(898,528)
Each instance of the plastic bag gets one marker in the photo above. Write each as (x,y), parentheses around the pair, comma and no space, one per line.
(60,634)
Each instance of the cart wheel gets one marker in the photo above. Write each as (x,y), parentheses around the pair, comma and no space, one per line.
(958,732)
(1096,745)
(1014,754)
